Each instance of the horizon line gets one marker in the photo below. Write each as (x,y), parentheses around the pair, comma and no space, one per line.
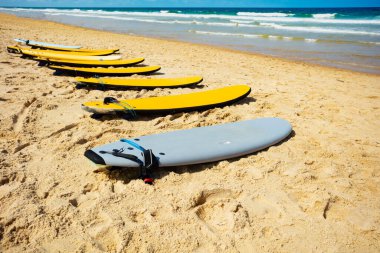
(158,7)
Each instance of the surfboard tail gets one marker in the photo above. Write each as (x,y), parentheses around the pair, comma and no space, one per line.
(94,157)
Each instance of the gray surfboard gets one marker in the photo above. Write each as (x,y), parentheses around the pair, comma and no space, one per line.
(38,43)
(197,145)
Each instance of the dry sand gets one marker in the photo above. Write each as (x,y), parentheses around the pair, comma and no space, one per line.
(316,192)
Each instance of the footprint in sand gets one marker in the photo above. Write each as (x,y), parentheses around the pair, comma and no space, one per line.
(104,233)
(219,211)
(22,115)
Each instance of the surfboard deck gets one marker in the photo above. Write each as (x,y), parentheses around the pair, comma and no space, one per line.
(36,52)
(73,50)
(39,43)
(174,103)
(107,71)
(93,63)
(141,83)
(65,56)
(197,145)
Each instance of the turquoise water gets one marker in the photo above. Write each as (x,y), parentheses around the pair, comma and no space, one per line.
(341,37)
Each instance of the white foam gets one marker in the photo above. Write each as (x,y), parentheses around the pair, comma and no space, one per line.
(246,25)
(244,35)
(324,15)
(319,29)
(226,34)
(273,37)
(320,20)
(264,14)
(110,17)
(370,42)
(310,40)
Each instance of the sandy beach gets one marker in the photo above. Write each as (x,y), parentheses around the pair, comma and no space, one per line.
(316,192)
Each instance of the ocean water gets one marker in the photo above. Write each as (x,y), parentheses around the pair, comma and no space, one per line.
(341,37)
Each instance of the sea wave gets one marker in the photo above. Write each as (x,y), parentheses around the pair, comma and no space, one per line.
(324,15)
(264,14)
(242,21)
(319,29)
(245,18)
(319,20)
(286,38)
(150,17)
(246,35)
(110,17)
(186,22)
(226,34)
(370,43)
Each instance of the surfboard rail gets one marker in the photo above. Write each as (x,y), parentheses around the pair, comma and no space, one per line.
(91,63)
(36,52)
(107,71)
(150,83)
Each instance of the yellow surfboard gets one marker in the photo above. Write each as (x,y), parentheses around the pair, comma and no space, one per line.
(93,63)
(71,56)
(34,52)
(141,83)
(45,54)
(70,49)
(107,71)
(175,103)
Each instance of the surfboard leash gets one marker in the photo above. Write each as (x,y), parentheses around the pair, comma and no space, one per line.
(119,153)
(146,166)
(127,107)
(150,161)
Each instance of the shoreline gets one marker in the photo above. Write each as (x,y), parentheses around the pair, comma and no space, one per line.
(221,47)
(316,191)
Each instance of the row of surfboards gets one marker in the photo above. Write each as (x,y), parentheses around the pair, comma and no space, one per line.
(58,58)
(184,147)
